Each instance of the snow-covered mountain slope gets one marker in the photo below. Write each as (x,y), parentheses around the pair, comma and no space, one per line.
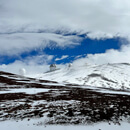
(115,76)
(40,102)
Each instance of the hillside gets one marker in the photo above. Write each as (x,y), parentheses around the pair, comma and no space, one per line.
(115,76)
(37,103)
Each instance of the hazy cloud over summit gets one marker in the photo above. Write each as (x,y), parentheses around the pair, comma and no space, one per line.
(110,17)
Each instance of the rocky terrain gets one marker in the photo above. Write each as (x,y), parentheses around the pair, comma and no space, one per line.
(28,98)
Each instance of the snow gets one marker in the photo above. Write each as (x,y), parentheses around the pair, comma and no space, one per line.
(108,78)
(53,84)
(25,90)
(102,90)
(114,92)
(37,124)
(115,76)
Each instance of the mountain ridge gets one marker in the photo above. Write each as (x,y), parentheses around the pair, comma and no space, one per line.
(116,75)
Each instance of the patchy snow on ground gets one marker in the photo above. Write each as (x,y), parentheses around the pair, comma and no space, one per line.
(38,103)
(25,90)
(103,90)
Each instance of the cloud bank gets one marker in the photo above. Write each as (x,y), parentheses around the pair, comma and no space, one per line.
(32,64)
(110,56)
(108,17)
(22,21)
(16,43)
(32,24)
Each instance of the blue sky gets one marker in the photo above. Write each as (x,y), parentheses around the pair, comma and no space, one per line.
(86,46)
(40,32)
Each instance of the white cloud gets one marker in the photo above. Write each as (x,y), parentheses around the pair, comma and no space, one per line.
(63,57)
(98,17)
(30,69)
(32,65)
(12,44)
(110,56)
(38,60)
(107,17)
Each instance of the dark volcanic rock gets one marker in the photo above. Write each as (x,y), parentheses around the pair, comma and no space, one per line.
(60,104)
